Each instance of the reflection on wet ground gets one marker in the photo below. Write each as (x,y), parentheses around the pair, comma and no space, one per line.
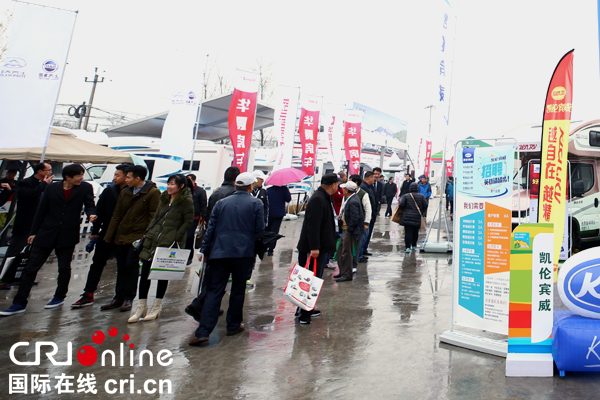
(377,338)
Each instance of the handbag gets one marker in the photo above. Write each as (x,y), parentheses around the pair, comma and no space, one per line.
(303,287)
(14,266)
(423,222)
(168,263)
(138,245)
(397,217)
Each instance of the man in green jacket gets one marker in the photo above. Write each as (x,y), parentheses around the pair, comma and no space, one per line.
(135,209)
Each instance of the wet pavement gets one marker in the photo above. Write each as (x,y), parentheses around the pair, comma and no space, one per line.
(378,338)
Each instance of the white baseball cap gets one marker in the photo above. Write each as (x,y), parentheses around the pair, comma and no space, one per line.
(351,186)
(259,174)
(245,179)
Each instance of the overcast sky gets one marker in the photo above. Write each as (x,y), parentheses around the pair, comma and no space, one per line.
(383,54)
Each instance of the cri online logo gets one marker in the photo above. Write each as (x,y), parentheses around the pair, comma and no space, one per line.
(87,355)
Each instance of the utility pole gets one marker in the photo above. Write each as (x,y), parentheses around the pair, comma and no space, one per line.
(431,107)
(89,108)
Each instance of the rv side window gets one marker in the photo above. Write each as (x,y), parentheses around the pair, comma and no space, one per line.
(594,139)
(583,172)
(186,165)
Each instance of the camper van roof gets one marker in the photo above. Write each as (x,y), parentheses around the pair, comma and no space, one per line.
(212,124)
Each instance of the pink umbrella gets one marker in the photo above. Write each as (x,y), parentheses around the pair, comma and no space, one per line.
(284,176)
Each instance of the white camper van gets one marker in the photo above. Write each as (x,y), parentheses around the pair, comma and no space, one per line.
(583,185)
(209,163)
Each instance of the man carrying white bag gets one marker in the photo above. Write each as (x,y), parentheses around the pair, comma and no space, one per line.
(317,241)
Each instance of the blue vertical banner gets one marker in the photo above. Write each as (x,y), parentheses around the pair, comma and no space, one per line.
(447,25)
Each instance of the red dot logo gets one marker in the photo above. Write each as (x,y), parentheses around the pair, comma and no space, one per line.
(112,332)
(98,337)
(131,346)
(125,337)
(87,356)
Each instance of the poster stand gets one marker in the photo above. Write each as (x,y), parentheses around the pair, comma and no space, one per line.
(455,337)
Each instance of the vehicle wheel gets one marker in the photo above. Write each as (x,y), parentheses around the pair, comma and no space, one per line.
(576,239)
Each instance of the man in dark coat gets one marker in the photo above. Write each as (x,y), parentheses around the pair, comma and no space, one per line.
(352,220)
(390,191)
(406,184)
(56,227)
(278,196)
(259,192)
(377,188)
(234,225)
(318,236)
(29,193)
(200,212)
(105,208)
(227,188)
(134,210)
(367,186)
(414,205)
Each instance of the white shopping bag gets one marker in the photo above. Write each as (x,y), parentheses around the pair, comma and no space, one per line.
(303,286)
(169,264)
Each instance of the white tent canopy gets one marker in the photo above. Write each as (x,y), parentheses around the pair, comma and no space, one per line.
(212,124)
(64,146)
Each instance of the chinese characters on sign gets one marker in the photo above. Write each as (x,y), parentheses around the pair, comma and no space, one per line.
(42,384)
(309,132)
(242,112)
(427,158)
(352,140)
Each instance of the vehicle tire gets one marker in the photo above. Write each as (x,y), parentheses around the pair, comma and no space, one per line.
(576,238)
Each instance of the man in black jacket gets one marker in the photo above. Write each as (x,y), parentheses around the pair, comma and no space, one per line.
(367,186)
(377,188)
(29,193)
(352,220)
(318,235)
(390,191)
(56,227)
(227,188)
(406,184)
(200,211)
(259,192)
(106,207)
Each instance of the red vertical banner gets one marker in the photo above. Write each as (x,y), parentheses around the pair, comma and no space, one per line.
(449,167)
(555,148)
(427,159)
(352,139)
(242,111)
(309,132)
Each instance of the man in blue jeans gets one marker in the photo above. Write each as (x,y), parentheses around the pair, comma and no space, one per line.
(235,223)
(318,236)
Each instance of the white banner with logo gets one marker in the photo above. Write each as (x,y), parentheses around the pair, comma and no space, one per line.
(177,138)
(335,136)
(286,109)
(31,73)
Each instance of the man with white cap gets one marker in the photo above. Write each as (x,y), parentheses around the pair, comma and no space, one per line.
(259,192)
(351,222)
(228,244)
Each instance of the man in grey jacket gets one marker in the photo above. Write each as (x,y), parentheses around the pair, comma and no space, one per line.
(234,225)
(352,221)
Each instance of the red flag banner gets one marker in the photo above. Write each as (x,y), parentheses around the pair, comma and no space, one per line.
(555,148)
(427,159)
(242,111)
(352,139)
(449,167)
(309,132)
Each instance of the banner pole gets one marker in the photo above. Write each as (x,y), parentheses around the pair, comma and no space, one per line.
(59,86)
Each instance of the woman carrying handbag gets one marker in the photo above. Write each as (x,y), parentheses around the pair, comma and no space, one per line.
(173,217)
(414,206)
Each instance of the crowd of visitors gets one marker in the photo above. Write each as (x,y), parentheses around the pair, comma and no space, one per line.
(132,219)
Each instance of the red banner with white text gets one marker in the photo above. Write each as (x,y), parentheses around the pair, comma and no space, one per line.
(242,111)
(555,148)
(427,158)
(309,132)
(449,167)
(352,139)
